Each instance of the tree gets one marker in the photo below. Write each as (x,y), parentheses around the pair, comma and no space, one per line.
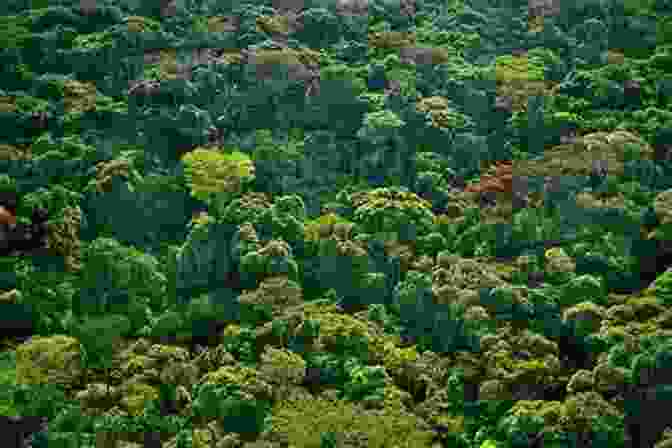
(121,280)
(233,409)
(276,165)
(212,174)
(97,337)
(382,143)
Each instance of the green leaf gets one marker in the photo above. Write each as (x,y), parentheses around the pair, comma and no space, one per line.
(210,172)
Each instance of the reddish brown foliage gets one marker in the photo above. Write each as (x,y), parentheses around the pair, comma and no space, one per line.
(6,217)
(499,182)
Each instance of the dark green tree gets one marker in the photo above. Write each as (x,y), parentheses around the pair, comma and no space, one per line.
(98,337)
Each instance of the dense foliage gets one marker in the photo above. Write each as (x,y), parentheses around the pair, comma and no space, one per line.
(418,221)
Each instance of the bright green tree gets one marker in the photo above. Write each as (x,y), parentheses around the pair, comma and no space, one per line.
(211,173)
